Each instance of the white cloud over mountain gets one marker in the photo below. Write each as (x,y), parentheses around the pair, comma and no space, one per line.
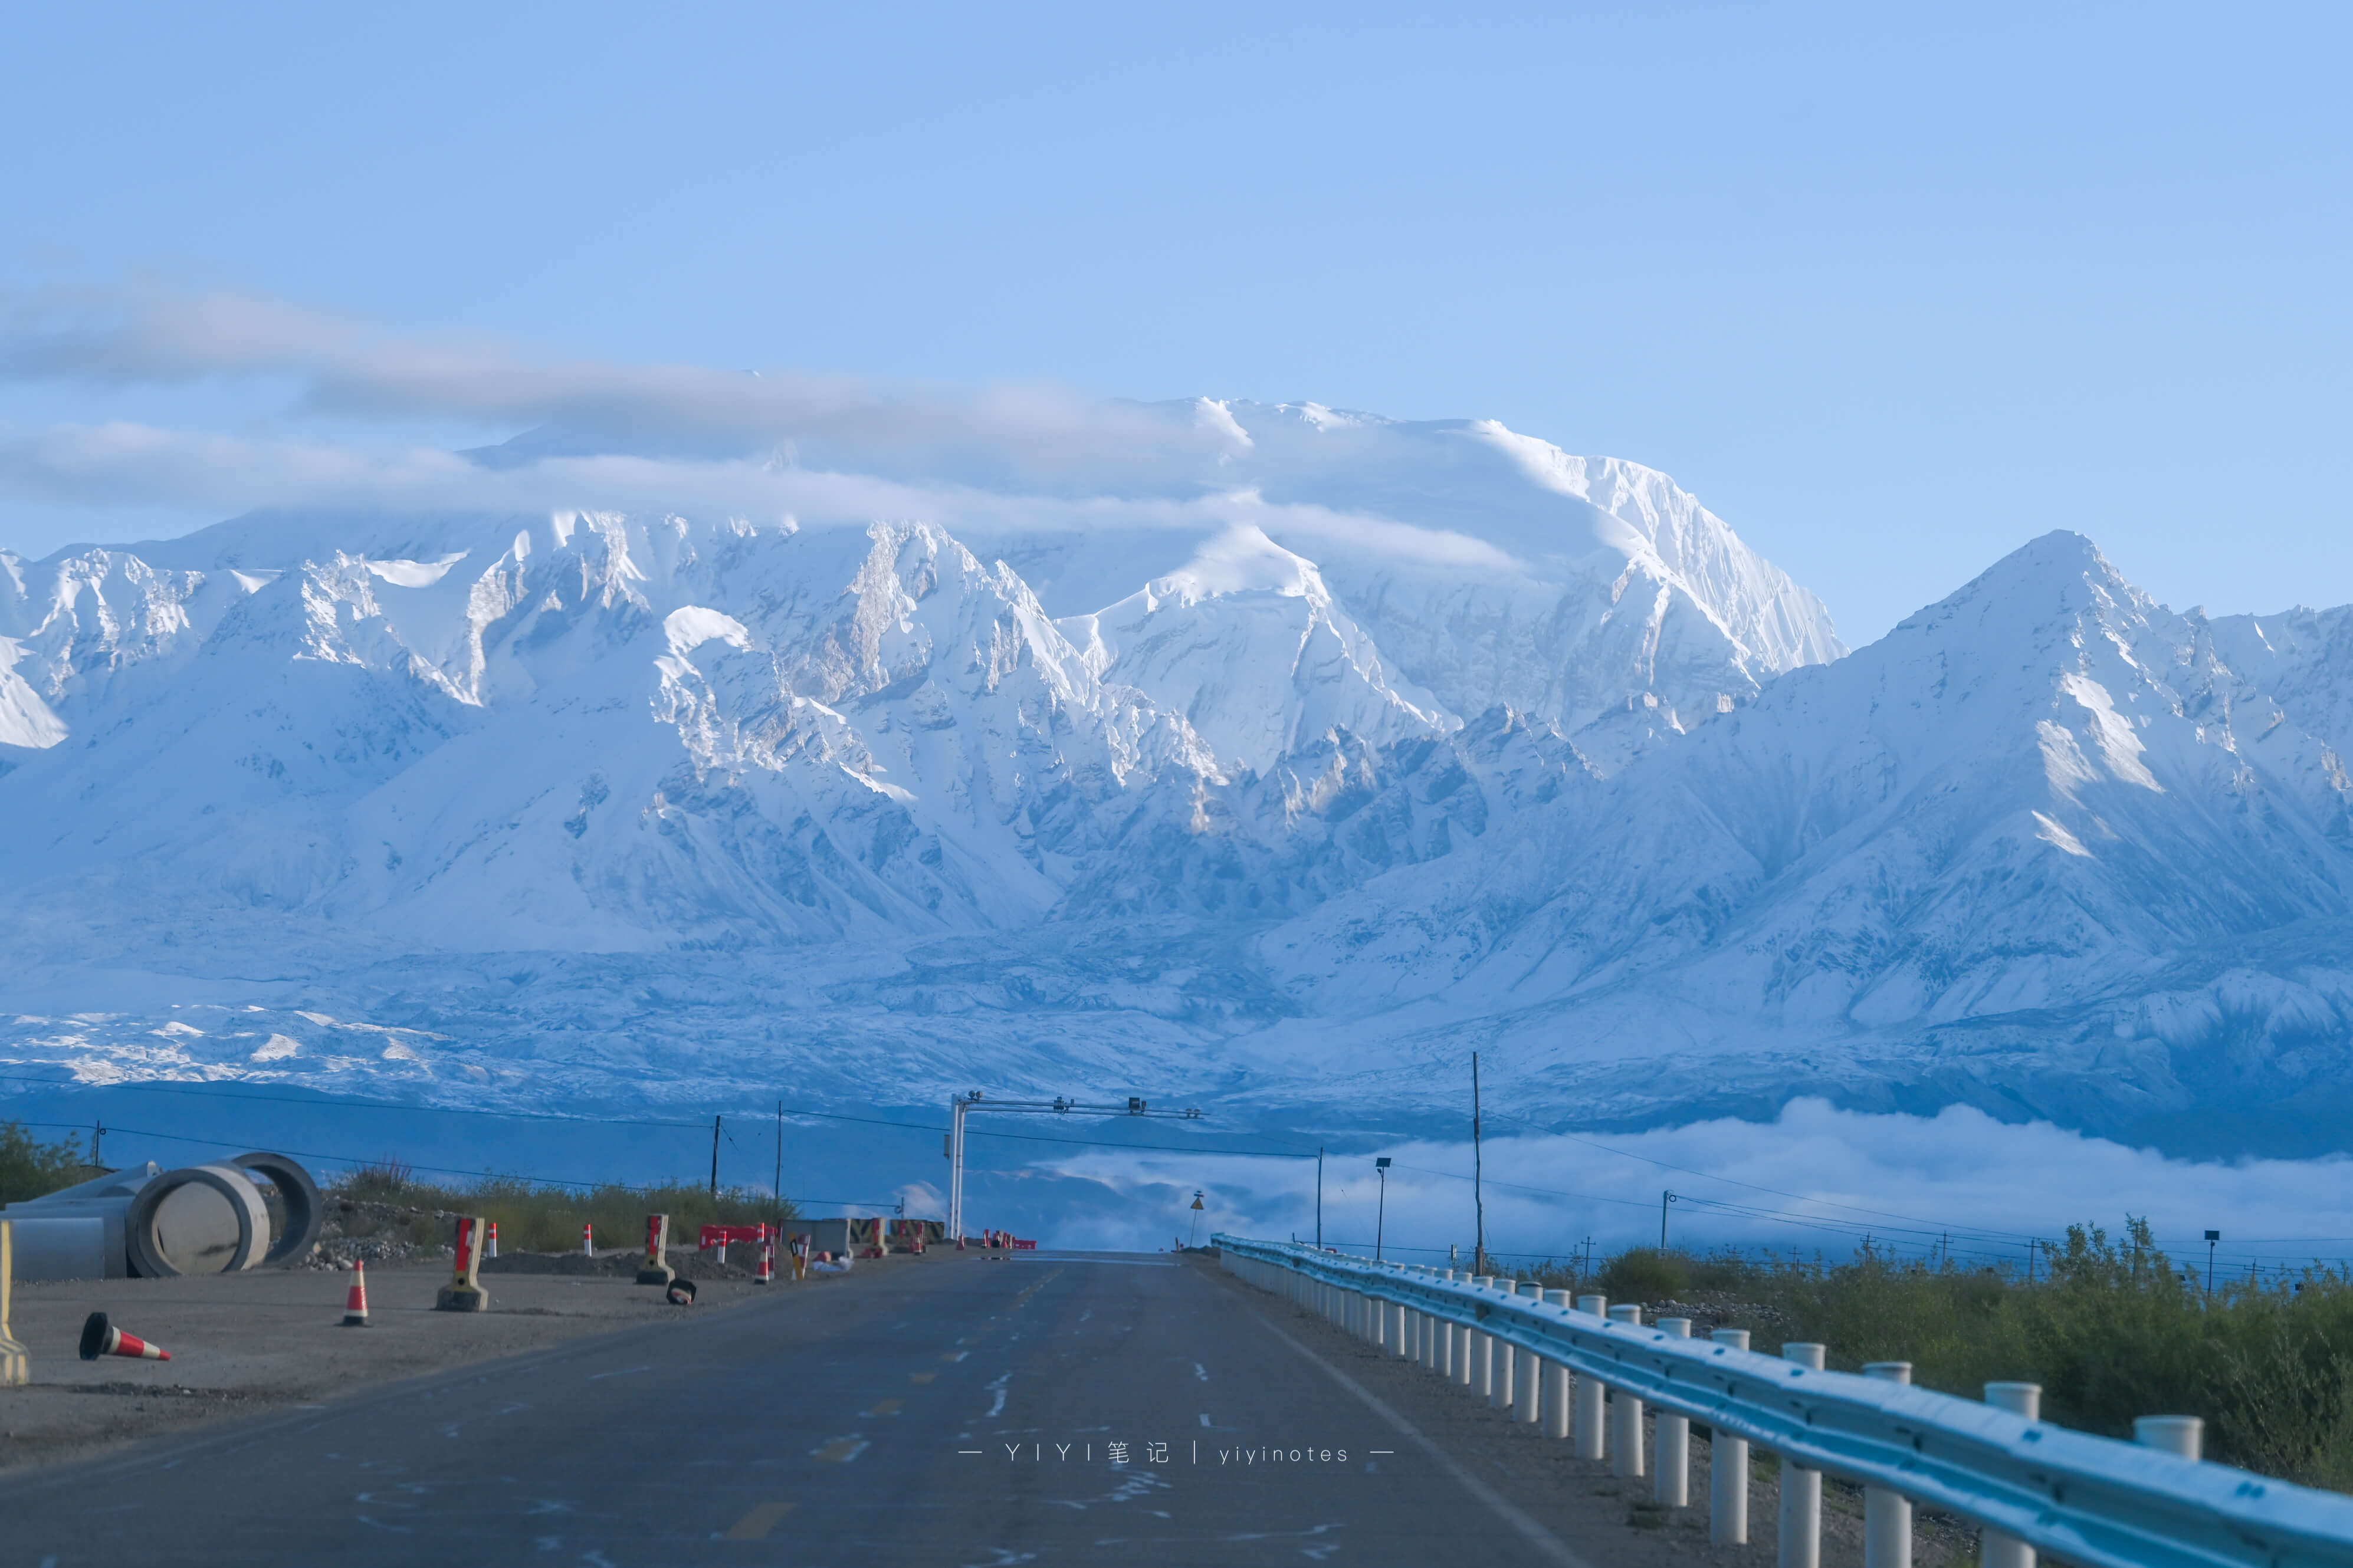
(717,727)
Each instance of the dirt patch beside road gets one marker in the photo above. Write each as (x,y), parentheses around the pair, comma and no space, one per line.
(267,1338)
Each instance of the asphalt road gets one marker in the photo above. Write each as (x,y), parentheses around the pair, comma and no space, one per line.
(1060,1409)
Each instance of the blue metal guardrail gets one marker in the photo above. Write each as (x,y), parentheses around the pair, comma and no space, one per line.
(2093,1501)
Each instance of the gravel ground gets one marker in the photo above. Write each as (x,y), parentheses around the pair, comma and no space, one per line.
(266,1339)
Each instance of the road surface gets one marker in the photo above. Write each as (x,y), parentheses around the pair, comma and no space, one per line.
(1060,1409)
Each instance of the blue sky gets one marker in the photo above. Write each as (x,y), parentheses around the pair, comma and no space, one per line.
(1891,289)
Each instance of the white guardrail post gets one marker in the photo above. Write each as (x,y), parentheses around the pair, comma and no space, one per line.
(2034,1490)
(1527,1369)
(2181,1436)
(1556,1380)
(1996,1550)
(1450,1344)
(1671,1440)
(1801,1489)
(1886,1514)
(1625,1413)
(1590,1438)
(1499,1358)
(1482,1354)
(1727,1473)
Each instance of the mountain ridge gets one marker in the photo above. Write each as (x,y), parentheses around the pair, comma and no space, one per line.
(1299,808)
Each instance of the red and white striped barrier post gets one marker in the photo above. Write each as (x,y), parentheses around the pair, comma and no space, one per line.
(99,1338)
(464,1293)
(355,1300)
(767,1262)
(490,1248)
(655,1268)
(587,1240)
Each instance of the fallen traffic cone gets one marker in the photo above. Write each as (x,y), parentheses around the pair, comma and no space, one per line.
(682,1292)
(356,1304)
(99,1338)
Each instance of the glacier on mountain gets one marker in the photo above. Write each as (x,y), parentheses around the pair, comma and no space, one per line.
(1419,738)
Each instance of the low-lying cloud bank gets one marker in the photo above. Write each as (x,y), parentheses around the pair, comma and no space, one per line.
(1817,1179)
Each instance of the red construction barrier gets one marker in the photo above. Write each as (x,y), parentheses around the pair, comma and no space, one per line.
(721,1235)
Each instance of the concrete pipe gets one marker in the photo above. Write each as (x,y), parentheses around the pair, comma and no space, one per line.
(204,1219)
(298,1202)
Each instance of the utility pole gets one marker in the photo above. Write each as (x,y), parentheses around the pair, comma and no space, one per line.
(715,1156)
(1477,1173)
(1381,1214)
(780,1167)
(1586,1267)
(1318,1197)
(2211,1238)
(98,1136)
(1665,1199)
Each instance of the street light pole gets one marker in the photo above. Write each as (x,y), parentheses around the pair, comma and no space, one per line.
(1318,1197)
(1381,1214)
(2211,1238)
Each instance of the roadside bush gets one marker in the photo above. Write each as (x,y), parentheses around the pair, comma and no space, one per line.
(2112,1330)
(29,1168)
(1643,1274)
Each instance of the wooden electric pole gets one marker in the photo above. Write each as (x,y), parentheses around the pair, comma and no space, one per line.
(1478,1175)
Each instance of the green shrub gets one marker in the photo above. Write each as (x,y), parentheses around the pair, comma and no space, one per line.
(1643,1274)
(2110,1329)
(29,1168)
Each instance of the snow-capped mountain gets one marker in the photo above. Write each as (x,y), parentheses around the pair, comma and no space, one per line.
(1418,737)
(2043,848)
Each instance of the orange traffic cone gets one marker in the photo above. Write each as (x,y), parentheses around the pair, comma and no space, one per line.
(356,1304)
(99,1338)
(767,1263)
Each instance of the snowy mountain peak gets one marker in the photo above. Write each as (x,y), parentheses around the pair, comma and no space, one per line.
(1245,641)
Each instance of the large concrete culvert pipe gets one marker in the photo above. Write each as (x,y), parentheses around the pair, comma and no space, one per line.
(203,1219)
(298,1208)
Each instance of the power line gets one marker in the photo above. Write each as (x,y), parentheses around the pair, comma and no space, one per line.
(363,1162)
(791,1111)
